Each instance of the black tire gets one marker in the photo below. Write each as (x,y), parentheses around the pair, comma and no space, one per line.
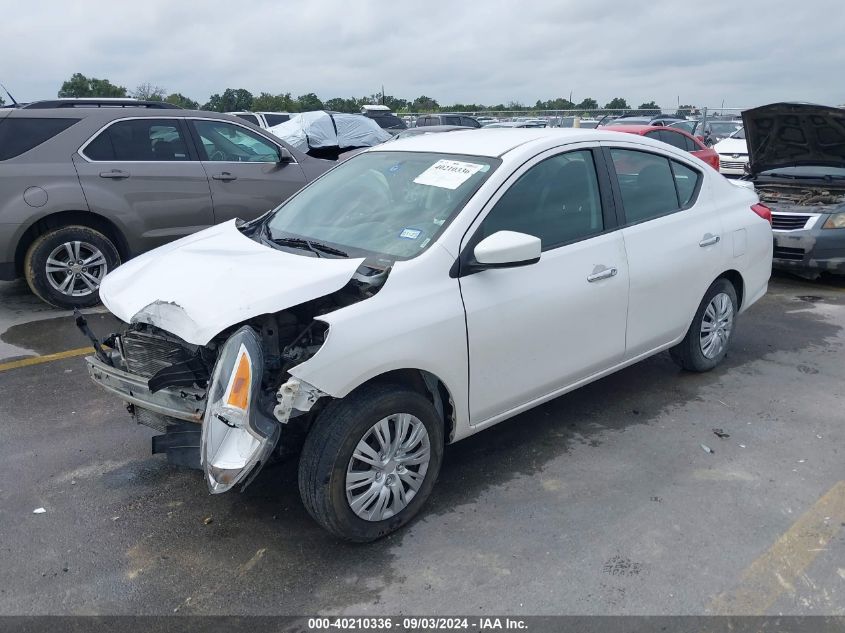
(329,447)
(39,280)
(688,353)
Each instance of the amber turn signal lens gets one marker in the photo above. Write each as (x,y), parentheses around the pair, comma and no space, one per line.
(239,393)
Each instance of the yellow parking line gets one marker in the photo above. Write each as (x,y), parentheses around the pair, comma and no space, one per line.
(47,358)
(780,568)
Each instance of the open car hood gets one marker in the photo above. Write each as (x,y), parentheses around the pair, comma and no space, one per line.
(202,284)
(793,134)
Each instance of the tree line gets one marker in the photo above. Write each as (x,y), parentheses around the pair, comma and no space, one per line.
(238,99)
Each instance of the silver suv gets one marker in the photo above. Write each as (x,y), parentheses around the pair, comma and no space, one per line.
(83,189)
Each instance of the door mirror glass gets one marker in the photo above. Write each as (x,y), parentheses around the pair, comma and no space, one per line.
(507,248)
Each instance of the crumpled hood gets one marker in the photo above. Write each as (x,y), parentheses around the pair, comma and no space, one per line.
(793,134)
(198,286)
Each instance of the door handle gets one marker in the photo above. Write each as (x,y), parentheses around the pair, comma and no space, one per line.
(607,273)
(116,174)
(709,240)
(225,176)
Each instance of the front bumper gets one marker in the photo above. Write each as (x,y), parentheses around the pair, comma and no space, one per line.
(182,403)
(815,250)
(730,166)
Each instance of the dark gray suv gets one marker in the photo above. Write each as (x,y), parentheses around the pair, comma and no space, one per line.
(83,189)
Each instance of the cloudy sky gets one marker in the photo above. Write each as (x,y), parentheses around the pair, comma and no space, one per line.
(743,53)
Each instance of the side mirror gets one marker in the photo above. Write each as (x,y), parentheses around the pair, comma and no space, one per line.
(284,155)
(506,249)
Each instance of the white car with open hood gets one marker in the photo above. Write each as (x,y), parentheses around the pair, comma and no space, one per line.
(420,292)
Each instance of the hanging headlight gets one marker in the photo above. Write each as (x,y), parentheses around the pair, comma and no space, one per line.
(236,435)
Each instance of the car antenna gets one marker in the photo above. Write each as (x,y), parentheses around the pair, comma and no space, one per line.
(10,95)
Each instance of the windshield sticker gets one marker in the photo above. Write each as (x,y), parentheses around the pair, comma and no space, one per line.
(425,242)
(448,174)
(410,234)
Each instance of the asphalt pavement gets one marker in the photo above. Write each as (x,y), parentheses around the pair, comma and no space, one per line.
(602,501)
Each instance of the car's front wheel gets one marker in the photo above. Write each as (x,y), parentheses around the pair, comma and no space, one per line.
(709,336)
(370,461)
(65,266)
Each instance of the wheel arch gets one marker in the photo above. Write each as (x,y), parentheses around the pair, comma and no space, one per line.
(60,219)
(427,384)
(736,279)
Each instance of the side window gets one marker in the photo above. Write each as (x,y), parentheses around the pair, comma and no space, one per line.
(691,145)
(469,122)
(19,135)
(248,117)
(673,138)
(686,182)
(276,119)
(225,142)
(646,183)
(139,140)
(557,200)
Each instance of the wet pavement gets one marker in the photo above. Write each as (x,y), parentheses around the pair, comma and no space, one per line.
(599,502)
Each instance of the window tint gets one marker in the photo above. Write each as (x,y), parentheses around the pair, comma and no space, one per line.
(19,135)
(673,138)
(275,119)
(248,117)
(557,200)
(450,120)
(686,181)
(469,122)
(139,140)
(646,184)
(225,142)
(691,144)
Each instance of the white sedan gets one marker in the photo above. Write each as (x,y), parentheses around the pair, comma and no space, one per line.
(733,154)
(423,291)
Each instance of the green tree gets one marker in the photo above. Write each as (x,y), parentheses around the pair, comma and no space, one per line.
(308,102)
(651,105)
(395,103)
(554,104)
(588,104)
(149,92)
(685,111)
(232,100)
(266,102)
(177,98)
(424,104)
(2,101)
(617,103)
(81,86)
(339,104)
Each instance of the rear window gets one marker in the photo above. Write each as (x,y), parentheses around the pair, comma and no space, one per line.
(248,117)
(19,135)
(275,119)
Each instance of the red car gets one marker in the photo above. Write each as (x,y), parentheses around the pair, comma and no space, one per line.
(675,138)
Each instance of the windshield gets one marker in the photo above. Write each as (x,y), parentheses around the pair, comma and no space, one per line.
(740,134)
(686,126)
(382,203)
(723,128)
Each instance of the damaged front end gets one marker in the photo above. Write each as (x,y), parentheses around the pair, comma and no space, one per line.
(229,405)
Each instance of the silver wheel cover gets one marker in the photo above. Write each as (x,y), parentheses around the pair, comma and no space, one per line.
(75,269)
(716,325)
(387,467)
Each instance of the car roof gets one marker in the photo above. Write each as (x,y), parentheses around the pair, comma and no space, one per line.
(493,143)
(111,113)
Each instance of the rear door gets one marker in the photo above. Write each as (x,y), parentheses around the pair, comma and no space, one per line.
(673,239)
(143,174)
(244,169)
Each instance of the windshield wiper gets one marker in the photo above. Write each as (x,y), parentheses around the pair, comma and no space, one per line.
(315,247)
(827,177)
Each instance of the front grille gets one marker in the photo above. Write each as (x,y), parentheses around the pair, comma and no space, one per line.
(781,222)
(784,252)
(146,355)
(732,164)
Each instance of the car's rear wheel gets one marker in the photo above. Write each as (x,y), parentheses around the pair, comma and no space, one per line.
(709,336)
(370,461)
(64,267)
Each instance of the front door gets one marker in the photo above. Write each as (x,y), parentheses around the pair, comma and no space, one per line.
(143,175)
(537,329)
(246,175)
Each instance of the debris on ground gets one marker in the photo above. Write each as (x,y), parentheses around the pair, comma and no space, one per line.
(707,449)
(721,434)
(207,520)
(657,499)
(742,445)
(39,511)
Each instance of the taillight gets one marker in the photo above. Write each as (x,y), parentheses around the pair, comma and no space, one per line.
(763,211)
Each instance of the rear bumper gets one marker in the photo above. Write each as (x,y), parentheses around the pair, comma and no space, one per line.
(814,250)
(182,403)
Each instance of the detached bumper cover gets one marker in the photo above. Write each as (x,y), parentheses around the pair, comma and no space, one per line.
(183,403)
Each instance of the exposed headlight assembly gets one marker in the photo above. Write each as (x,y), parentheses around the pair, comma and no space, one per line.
(236,435)
(836,221)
